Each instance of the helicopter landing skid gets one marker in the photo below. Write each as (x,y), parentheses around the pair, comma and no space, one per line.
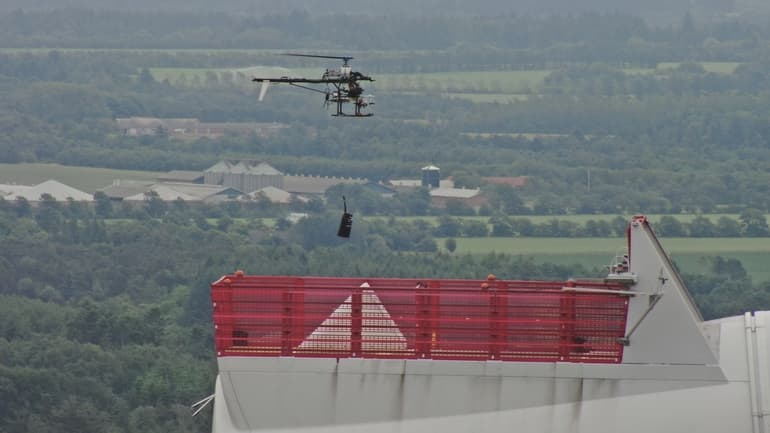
(352,115)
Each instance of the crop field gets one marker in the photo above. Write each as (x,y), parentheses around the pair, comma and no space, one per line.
(497,84)
(87,179)
(578,219)
(175,75)
(489,98)
(513,135)
(690,254)
(715,67)
(477,86)
(479,82)
(362,56)
(572,246)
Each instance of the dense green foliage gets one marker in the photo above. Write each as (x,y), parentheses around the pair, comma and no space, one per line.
(105,324)
(104,310)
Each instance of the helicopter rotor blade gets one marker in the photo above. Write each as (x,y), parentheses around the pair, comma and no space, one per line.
(345,59)
(263,89)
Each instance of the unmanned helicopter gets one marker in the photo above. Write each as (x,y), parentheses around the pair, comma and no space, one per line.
(342,86)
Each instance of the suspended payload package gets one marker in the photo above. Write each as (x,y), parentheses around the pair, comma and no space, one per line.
(346,223)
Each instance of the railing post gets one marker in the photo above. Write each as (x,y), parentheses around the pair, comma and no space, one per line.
(434,305)
(427,303)
(356,321)
(287,320)
(423,313)
(298,316)
(566,323)
(222,302)
(488,298)
(497,315)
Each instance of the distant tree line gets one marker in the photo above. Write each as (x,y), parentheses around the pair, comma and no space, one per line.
(61,219)
(653,9)
(751,223)
(460,42)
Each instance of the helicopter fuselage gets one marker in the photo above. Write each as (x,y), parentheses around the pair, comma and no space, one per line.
(342,86)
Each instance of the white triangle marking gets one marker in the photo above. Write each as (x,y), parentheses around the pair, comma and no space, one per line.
(379,332)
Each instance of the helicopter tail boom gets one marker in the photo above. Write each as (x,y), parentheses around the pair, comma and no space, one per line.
(263,89)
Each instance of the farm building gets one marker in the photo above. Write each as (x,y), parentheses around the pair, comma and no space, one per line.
(188,192)
(439,197)
(431,178)
(229,178)
(275,195)
(33,193)
(122,188)
(132,190)
(182,176)
(515,181)
(316,185)
(243,175)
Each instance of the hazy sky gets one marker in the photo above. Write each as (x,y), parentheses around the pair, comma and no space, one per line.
(450,7)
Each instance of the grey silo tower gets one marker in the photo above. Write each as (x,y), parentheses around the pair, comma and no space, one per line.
(431,176)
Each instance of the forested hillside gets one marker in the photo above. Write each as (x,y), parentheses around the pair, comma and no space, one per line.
(105,323)
(584,37)
(104,308)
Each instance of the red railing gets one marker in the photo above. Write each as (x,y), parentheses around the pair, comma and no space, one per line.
(536,321)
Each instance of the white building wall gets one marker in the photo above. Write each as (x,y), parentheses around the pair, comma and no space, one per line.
(363,396)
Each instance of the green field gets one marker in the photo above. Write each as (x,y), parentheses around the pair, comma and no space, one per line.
(476,86)
(174,75)
(87,179)
(715,67)
(572,246)
(477,82)
(513,135)
(690,254)
(493,98)
(578,219)
(509,85)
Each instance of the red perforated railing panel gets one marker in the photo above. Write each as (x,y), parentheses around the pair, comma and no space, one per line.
(536,321)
